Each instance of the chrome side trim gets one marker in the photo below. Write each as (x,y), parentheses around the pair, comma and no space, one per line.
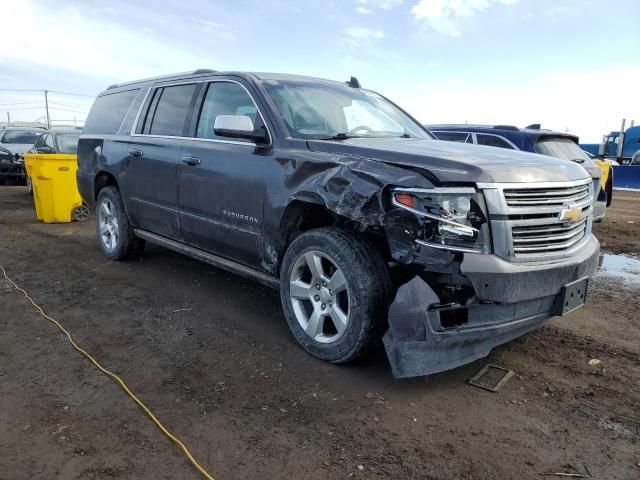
(213,140)
(135,120)
(209,258)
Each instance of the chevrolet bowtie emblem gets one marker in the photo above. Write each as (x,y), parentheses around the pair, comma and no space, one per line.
(570,214)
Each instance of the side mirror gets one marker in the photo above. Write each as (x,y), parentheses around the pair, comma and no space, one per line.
(44,150)
(238,126)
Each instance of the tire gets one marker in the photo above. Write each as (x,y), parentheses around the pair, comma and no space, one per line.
(29,185)
(115,233)
(354,316)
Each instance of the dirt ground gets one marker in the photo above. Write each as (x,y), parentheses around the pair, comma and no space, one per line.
(211,354)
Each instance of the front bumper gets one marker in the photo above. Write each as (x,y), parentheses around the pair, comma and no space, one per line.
(511,300)
(12,169)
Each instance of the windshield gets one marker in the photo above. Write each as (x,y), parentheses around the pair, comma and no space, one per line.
(20,136)
(68,142)
(322,110)
(563,148)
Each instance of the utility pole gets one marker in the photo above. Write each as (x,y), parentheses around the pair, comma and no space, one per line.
(8,119)
(46,106)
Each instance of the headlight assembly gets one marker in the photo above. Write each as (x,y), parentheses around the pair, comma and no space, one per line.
(453,218)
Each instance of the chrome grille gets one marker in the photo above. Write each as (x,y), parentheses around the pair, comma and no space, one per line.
(547,237)
(530,197)
(528,221)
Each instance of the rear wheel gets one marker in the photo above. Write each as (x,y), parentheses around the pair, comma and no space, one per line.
(115,233)
(335,293)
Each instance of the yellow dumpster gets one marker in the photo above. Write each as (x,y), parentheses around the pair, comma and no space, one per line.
(55,192)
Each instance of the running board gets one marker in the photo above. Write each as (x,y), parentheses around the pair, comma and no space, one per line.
(209,258)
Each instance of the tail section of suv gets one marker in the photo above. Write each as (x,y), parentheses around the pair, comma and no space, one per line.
(534,139)
(333,194)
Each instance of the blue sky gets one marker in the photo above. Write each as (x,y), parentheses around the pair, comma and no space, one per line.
(559,62)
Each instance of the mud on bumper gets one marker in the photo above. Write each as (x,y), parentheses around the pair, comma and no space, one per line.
(511,300)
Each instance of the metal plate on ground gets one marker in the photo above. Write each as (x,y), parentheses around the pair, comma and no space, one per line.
(491,377)
(573,295)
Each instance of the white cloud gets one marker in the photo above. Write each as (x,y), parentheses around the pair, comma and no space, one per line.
(218,29)
(364,10)
(358,37)
(442,15)
(560,100)
(379,4)
(94,43)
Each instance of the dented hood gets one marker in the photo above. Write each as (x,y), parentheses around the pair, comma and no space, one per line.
(452,162)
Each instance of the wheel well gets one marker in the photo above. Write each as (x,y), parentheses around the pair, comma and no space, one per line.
(104,179)
(300,217)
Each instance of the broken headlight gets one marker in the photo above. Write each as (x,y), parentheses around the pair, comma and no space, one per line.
(452,218)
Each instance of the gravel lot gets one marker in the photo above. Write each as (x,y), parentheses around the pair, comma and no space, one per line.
(211,354)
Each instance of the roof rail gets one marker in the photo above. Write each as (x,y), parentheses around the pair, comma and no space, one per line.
(506,127)
(198,71)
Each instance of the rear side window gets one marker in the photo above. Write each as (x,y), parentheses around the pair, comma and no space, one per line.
(452,136)
(108,111)
(493,141)
(171,110)
(224,98)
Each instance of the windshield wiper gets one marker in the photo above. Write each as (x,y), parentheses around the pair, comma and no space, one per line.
(346,136)
(338,136)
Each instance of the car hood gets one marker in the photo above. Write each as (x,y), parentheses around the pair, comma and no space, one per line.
(16,147)
(452,162)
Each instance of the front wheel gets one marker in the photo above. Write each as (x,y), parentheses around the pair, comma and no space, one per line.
(115,233)
(335,293)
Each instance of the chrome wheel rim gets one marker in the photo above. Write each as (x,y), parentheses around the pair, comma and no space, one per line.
(319,296)
(109,229)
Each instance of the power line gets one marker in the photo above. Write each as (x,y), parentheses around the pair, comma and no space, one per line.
(75,94)
(66,110)
(51,91)
(20,103)
(18,90)
(25,108)
(74,105)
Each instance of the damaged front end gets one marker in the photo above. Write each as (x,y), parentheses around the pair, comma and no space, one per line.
(460,300)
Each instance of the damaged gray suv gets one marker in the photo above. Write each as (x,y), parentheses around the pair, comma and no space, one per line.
(333,194)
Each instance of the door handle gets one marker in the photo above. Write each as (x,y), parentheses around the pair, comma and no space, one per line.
(134,152)
(191,161)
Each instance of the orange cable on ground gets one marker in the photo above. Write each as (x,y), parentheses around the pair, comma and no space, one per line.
(115,377)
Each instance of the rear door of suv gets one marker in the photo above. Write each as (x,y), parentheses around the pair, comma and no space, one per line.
(221,180)
(150,179)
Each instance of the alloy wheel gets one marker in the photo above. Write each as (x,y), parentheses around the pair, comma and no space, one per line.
(108,224)
(320,296)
